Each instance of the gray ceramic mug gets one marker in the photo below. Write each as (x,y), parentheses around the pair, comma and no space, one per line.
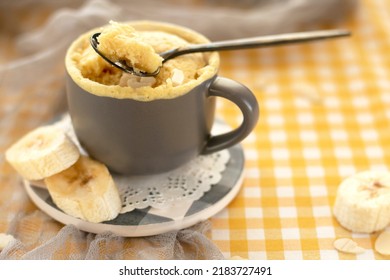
(138,137)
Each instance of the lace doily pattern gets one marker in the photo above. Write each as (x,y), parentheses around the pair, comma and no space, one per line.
(184,184)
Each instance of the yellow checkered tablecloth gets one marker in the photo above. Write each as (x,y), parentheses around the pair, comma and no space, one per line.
(324,115)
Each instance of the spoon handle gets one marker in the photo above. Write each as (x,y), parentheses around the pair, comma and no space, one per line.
(262,41)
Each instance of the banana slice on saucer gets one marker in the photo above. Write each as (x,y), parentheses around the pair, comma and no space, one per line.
(86,190)
(42,152)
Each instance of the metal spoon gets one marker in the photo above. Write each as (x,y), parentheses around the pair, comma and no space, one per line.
(254,42)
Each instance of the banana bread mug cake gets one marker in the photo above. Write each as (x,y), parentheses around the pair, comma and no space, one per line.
(139,44)
(146,125)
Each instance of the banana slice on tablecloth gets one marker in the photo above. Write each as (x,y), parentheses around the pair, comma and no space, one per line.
(42,152)
(86,190)
(363,202)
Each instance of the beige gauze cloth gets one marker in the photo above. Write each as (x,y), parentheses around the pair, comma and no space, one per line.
(34,36)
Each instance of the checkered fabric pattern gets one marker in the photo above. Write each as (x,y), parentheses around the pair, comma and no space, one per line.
(325,114)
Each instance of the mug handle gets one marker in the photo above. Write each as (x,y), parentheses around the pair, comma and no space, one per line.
(246,102)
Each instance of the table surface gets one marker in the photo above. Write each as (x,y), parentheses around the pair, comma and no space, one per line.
(324,115)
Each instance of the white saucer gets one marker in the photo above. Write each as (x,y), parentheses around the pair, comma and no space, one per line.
(151,221)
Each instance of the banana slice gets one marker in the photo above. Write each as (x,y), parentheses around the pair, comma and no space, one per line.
(42,152)
(86,190)
(363,202)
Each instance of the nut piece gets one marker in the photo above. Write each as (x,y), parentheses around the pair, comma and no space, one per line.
(177,77)
(382,243)
(5,239)
(348,246)
(128,80)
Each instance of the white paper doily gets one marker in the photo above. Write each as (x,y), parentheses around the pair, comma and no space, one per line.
(184,184)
